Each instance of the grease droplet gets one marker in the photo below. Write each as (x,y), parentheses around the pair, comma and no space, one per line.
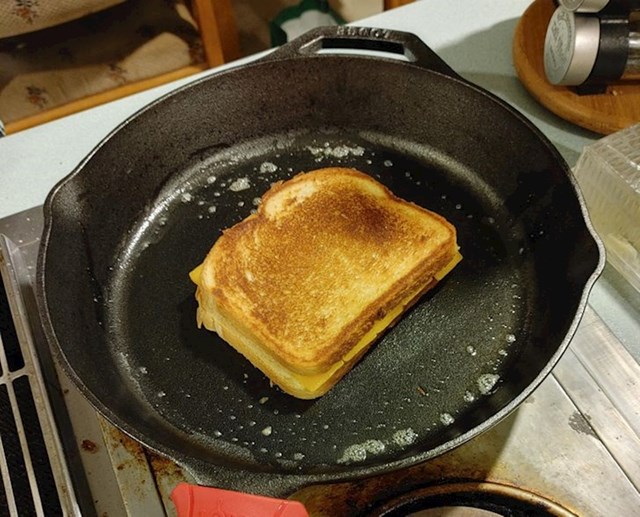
(447,419)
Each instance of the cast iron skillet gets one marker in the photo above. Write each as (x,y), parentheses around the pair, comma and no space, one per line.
(124,229)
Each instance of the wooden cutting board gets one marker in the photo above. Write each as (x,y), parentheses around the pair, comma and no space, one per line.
(614,109)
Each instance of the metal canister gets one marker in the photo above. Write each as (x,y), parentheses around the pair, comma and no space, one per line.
(583,6)
(592,48)
(596,6)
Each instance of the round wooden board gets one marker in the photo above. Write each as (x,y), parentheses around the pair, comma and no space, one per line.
(614,109)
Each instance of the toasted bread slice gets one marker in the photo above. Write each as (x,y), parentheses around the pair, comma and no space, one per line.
(303,287)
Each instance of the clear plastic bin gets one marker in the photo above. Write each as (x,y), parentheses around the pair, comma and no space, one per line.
(608,173)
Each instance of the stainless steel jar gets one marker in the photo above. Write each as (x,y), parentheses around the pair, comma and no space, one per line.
(585,48)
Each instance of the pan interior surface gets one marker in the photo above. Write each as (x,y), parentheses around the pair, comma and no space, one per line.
(437,373)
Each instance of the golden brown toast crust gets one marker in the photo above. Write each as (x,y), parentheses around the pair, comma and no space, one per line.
(327,254)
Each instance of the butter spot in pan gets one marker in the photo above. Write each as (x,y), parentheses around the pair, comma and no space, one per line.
(240,184)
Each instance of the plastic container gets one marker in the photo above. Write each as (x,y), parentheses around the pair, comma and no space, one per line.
(608,173)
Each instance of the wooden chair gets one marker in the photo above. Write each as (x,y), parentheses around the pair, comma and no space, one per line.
(392,4)
(218,30)
(218,34)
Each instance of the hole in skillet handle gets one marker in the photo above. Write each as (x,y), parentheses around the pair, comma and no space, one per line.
(382,43)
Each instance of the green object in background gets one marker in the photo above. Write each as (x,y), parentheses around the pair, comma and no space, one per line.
(298,19)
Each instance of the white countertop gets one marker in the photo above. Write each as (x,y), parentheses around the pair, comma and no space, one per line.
(473,36)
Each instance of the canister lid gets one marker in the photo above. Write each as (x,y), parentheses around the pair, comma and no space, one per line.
(570,47)
(584,6)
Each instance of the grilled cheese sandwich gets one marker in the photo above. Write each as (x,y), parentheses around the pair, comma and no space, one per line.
(306,285)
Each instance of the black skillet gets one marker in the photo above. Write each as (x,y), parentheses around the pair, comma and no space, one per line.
(124,229)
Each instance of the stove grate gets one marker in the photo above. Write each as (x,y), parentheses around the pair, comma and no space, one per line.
(28,486)
(34,475)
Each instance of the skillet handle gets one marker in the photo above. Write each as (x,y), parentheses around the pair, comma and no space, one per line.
(398,45)
(194,500)
(247,481)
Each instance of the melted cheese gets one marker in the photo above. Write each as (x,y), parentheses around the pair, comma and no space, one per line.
(447,269)
(313,382)
(196,273)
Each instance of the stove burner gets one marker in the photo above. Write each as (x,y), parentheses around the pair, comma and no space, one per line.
(454,511)
(474,499)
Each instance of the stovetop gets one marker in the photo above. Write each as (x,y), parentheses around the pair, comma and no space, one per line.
(572,448)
